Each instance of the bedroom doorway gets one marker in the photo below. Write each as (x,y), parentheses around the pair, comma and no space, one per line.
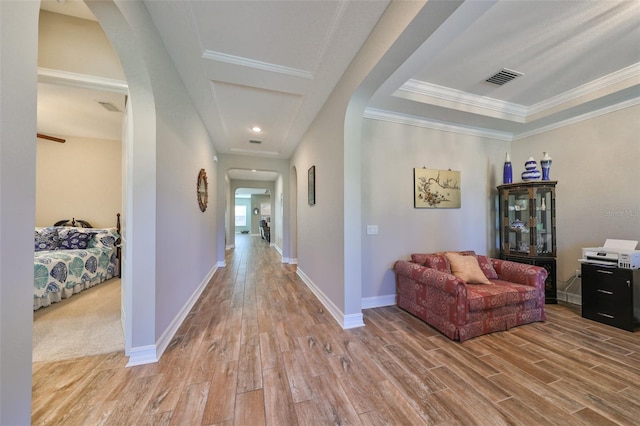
(86,109)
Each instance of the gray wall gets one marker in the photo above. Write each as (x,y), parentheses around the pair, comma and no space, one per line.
(175,240)
(390,153)
(18,71)
(597,165)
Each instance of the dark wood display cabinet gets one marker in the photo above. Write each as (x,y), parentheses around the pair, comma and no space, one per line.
(527,219)
(611,296)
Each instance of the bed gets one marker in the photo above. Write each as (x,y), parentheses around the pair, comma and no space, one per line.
(72,256)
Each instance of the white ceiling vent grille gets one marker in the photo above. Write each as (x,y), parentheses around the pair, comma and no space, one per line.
(254,141)
(109,106)
(504,76)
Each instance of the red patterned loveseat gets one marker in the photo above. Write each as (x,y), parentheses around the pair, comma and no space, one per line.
(513,294)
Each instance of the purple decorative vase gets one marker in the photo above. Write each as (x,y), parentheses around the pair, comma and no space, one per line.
(507,171)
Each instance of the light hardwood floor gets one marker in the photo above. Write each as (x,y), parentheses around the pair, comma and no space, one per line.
(258,348)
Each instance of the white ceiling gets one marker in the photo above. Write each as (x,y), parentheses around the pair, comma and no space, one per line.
(274,63)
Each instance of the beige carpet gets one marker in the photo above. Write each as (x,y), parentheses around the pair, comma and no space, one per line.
(88,323)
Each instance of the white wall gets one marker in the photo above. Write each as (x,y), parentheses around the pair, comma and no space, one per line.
(390,153)
(597,165)
(330,256)
(81,178)
(171,242)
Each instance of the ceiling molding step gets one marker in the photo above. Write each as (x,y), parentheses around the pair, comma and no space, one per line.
(629,73)
(451,98)
(259,65)
(253,152)
(587,116)
(394,117)
(83,81)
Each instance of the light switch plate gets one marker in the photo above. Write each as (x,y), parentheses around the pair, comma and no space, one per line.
(372,229)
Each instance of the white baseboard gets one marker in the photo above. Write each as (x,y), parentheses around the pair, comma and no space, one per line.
(152,353)
(575,299)
(378,301)
(142,355)
(221,264)
(230,246)
(345,321)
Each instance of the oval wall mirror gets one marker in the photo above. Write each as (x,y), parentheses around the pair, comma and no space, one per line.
(256,211)
(202,190)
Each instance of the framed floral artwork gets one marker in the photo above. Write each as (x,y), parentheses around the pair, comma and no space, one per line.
(436,189)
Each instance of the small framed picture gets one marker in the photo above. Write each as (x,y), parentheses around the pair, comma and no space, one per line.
(436,189)
(312,185)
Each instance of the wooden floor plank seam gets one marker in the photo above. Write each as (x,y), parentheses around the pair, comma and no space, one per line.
(258,348)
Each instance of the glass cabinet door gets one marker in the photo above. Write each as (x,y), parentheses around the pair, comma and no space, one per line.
(517,222)
(544,235)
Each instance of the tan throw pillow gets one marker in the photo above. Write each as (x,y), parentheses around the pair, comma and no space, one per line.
(467,269)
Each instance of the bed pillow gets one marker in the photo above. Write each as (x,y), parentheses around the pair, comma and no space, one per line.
(46,239)
(75,238)
(466,268)
(104,238)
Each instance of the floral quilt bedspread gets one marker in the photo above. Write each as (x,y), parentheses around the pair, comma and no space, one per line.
(58,274)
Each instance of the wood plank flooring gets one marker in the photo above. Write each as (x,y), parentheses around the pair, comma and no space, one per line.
(259,349)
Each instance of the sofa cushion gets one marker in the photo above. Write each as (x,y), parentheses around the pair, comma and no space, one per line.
(502,293)
(487,267)
(437,261)
(466,268)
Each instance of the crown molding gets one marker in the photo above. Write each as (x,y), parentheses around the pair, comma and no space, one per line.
(394,117)
(463,101)
(83,81)
(629,73)
(434,94)
(587,116)
(259,65)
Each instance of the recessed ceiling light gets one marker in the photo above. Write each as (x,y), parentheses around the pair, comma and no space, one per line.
(256,129)
(254,170)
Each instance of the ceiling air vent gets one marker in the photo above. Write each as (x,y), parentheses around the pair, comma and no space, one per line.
(109,106)
(503,76)
(254,141)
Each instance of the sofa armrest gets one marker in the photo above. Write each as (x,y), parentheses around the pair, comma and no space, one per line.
(520,273)
(438,298)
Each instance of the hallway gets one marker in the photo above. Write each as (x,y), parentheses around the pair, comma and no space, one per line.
(259,348)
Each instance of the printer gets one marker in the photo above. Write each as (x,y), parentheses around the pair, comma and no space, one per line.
(614,253)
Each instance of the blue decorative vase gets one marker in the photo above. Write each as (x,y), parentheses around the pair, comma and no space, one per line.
(531,171)
(546,165)
(507,172)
